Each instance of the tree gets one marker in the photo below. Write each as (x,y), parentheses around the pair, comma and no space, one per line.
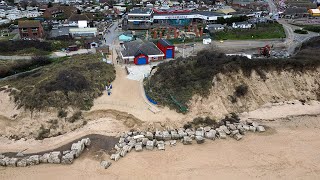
(50,5)
(34,3)
(24,4)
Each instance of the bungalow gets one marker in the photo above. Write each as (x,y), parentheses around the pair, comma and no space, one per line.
(140,52)
(242,25)
(166,47)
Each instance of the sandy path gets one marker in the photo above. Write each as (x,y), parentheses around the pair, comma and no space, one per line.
(286,152)
(127,97)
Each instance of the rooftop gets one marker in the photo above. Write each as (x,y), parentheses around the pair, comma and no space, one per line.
(78,17)
(165,42)
(138,46)
(29,24)
(140,11)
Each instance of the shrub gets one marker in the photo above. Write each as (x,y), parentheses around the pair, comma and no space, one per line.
(68,80)
(9,47)
(76,116)
(43,133)
(241,90)
(62,113)
(300,31)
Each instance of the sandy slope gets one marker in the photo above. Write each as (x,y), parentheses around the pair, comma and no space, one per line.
(288,152)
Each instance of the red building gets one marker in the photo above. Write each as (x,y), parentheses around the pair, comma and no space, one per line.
(166,47)
(31,29)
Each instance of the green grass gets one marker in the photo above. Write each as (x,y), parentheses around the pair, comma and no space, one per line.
(312,28)
(180,40)
(261,31)
(6,38)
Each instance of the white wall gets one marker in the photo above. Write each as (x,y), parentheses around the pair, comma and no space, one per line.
(82,24)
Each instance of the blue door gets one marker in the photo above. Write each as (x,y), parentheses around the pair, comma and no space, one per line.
(142,60)
(169,53)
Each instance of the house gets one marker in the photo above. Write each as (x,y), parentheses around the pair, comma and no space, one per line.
(80,20)
(31,29)
(295,12)
(241,25)
(140,52)
(52,12)
(166,47)
(92,43)
(83,32)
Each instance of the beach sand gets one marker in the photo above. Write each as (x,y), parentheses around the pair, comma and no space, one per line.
(289,149)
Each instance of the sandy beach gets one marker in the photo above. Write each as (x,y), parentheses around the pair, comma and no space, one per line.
(288,150)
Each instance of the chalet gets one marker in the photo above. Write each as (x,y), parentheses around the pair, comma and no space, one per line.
(140,52)
(31,29)
(166,47)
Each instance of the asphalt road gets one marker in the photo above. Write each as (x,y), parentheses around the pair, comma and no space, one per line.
(113,34)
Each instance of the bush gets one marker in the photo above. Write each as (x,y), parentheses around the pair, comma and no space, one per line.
(76,116)
(300,31)
(313,28)
(241,90)
(13,67)
(62,113)
(68,80)
(11,47)
(43,133)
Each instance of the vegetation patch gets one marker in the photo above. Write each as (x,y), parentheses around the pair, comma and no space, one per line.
(260,31)
(31,47)
(73,82)
(300,31)
(186,77)
(11,67)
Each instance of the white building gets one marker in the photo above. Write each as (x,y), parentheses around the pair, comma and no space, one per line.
(241,25)
(31,14)
(83,32)
(2,13)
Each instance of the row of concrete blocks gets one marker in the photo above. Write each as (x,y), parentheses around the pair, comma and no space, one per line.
(55,157)
(158,139)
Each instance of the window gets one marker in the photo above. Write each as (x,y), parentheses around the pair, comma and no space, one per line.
(35,34)
(24,30)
